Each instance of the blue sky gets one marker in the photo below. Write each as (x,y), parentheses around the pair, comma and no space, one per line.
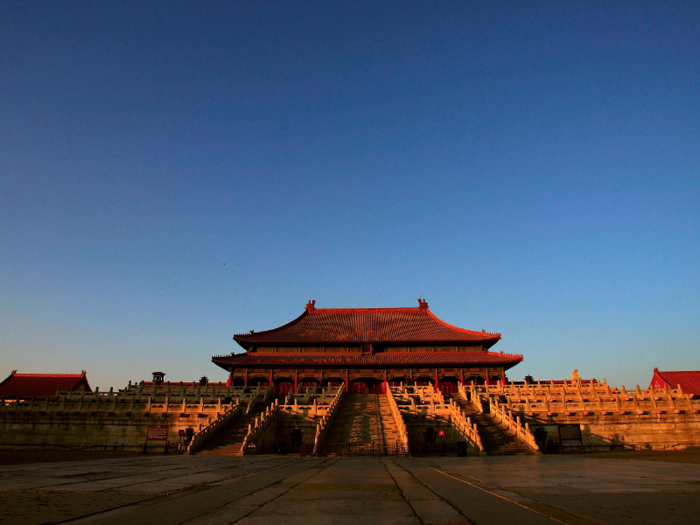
(172,173)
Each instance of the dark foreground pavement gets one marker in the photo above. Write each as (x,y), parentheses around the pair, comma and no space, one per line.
(279,490)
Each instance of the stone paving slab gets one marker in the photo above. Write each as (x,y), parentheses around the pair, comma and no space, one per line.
(474,503)
(525,490)
(337,520)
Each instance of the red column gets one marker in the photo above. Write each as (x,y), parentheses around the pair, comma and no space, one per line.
(437,382)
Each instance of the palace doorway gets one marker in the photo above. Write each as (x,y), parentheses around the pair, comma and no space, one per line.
(423,381)
(284,386)
(367,386)
(309,382)
(258,381)
(478,380)
(448,385)
(333,382)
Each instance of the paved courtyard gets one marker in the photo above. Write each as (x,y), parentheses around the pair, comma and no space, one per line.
(215,490)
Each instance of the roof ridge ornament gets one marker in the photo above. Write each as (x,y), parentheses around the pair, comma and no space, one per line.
(311,306)
(422,304)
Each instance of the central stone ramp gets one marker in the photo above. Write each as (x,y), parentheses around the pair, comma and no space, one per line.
(495,438)
(364,425)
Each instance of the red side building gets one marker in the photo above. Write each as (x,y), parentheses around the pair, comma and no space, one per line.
(366,348)
(27,386)
(689,381)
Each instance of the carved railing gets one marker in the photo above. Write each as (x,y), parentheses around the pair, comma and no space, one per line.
(536,401)
(503,415)
(398,418)
(577,390)
(261,423)
(425,394)
(471,395)
(207,432)
(327,419)
(312,411)
(114,405)
(465,427)
(159,394)
(178,391)
(261,396)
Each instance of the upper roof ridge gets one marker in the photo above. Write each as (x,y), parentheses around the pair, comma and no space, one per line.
(413,325)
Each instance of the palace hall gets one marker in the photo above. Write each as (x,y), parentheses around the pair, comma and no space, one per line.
(366,349)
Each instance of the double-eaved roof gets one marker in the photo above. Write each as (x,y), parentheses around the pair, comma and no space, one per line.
(338,326)
(379,327)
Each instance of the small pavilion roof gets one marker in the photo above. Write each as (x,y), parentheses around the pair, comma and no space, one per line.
(337,326)
(688,380)
(26,386)
(380,360)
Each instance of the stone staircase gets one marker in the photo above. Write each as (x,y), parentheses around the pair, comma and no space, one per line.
(495,438)
(229,440)
(362,421)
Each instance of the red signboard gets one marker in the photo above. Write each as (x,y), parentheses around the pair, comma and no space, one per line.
(441,433)
(157,433)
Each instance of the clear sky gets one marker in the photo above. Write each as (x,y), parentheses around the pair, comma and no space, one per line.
(172,173)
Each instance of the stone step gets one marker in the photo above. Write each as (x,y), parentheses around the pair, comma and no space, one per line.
(229,440)
(494,437)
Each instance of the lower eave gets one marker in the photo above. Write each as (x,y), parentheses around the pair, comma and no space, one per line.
(462,359)
(487,342)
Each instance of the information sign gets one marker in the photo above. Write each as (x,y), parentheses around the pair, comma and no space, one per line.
(157,433)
